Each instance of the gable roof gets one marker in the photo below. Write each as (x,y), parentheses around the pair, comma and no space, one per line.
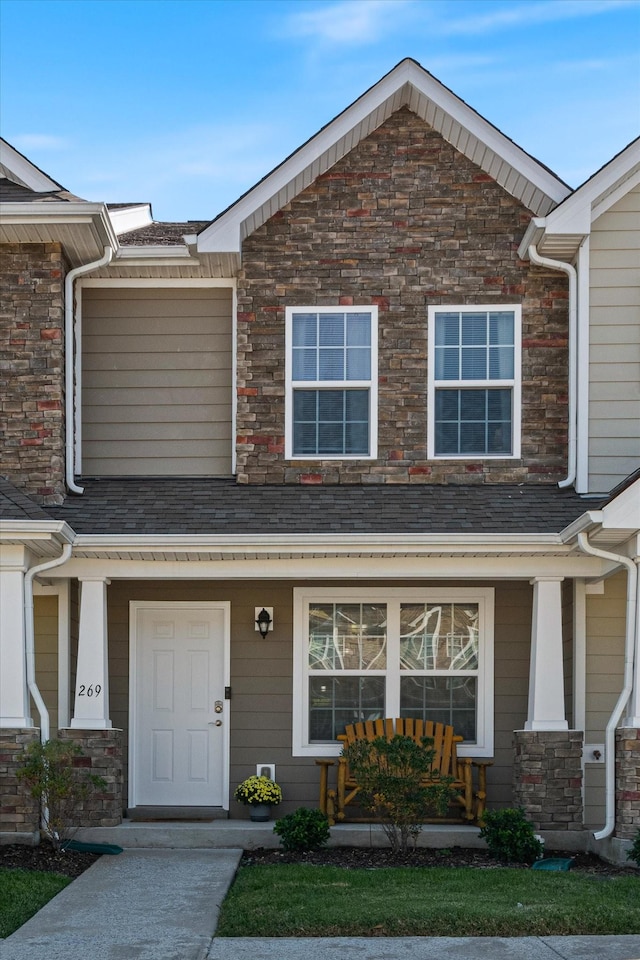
(410,85)
(16,167)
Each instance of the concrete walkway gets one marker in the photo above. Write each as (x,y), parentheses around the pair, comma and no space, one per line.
(163,905)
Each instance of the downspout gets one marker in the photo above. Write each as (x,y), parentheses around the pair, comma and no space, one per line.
(627,687)
(69,362)
(570,270)
(29,632)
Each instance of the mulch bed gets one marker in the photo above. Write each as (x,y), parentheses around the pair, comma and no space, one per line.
(70,863)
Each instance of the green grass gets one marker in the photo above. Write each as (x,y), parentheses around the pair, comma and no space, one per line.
(23,893)
(291,900)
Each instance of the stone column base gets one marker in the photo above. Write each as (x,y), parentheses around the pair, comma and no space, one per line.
(547,778)
(627,782)
(19,811)
(101,755)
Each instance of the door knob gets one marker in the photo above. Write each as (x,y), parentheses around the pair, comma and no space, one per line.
(218,723)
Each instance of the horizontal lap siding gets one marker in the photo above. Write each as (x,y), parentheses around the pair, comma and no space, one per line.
(614,368)
(157,390)
(45,625)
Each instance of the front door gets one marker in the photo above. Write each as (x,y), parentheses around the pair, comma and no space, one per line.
(179,716)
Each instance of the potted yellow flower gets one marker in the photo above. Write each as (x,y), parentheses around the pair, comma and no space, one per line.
(260,794)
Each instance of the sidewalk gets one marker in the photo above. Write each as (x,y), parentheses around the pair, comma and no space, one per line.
(163,905)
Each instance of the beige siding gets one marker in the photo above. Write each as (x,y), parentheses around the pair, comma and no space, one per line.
(157,382)
(605,662)
(45,624)
(262,677)
(614,350)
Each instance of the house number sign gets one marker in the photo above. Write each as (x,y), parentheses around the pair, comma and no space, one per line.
(93,690)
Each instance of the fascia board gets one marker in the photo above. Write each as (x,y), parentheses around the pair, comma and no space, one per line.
(37,530)
(53,213)
(25,171)
(224,234)
(154,252)
(588,521)
(533,234)
(130,218)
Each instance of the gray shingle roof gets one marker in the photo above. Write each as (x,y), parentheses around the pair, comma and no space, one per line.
(205,506)
(161,234)
(15,505)
(11,192)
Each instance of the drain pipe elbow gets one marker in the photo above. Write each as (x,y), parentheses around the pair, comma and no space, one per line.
(69,349)
(571,272)
(627,686)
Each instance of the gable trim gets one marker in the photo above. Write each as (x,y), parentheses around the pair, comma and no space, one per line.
(23,171)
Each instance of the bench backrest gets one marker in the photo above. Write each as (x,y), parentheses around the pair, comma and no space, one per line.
(444,739)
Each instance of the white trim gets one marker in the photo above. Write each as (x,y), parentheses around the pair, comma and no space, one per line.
(134,607)
(580,590)
(160,282)
(515,384)
(582,368)
(134,217)
(371,384)
(25,171)
(303,596)
(234,379)
(61,590)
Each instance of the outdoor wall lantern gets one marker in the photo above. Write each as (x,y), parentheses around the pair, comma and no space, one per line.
(264,621)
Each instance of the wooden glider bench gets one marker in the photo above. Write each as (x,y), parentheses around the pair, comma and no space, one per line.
(469,796)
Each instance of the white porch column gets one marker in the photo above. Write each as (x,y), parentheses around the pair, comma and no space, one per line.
(14,695)
(91,711)
(546,674)
(633,710)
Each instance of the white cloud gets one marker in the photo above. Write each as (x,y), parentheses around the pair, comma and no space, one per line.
(40,141)
(523,14)
(352,22)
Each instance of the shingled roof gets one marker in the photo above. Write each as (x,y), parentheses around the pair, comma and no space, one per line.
(204,506)
(15,505)
(161,234)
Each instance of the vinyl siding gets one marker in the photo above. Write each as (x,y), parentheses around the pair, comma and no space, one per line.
(614,349)
(45,626)
(156,382)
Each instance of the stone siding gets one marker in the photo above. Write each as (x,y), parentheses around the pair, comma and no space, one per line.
(547,778)
(403,222)
(32,369)
(102,756)
(627,782)
(19,811)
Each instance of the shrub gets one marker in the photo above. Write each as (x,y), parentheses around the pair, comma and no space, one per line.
(48,770)
(634,852)
(304,829)
(390,773)
(510,836)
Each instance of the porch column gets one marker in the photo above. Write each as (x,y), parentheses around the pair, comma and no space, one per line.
(91,710)
(14,695)
(633,709)
(546,671)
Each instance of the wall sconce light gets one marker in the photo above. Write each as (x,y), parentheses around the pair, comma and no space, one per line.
(264,620)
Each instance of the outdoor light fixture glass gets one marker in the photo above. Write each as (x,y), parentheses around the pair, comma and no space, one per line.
(264,621)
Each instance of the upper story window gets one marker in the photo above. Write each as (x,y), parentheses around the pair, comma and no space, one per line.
(331,391)
(474,382)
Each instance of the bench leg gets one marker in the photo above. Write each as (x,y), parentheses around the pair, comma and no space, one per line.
(324,783)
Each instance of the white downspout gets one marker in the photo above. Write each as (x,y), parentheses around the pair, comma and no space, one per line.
(69,364)
(627,687)
(570,270)
(29,633)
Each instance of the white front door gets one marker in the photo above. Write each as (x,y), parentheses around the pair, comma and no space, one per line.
(179,715)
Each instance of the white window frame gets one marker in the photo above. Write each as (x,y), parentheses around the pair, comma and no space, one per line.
(303,597)
(371,384)
(515,384)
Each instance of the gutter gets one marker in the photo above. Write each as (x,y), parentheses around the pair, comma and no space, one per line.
(70,365)
(627,688)
(570,271)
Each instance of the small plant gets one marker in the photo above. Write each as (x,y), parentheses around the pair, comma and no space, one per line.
(49,771)
(304,829)
(390,774)
(510,836)
(256,790)
(634,853)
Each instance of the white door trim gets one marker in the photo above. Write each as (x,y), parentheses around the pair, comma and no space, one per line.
(134,607)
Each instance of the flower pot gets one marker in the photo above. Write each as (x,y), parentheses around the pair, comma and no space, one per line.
(260,812)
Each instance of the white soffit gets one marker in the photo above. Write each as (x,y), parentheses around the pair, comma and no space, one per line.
(14,166)
(83,229)
(408,85)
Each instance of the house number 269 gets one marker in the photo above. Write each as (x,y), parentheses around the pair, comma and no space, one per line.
(89,691)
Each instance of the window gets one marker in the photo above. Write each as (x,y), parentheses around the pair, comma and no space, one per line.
(474,382)
(420,653)
(331,399)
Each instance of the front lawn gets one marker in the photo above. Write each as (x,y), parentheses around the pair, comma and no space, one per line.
(23,893)
(300,900)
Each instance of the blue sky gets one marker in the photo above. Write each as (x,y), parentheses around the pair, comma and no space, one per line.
(187,103)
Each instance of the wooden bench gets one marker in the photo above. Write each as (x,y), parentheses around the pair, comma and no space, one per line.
(470,776)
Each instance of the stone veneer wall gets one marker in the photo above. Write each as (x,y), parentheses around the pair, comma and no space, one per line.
(102,755)
(547,778)
(403,221)
(19,811)
(32,369)
(627,782)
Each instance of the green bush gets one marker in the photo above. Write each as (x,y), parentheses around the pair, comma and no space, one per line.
(390,774)
(634,853)
(510,836)
(305,829)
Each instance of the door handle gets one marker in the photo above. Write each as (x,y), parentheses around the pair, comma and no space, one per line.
(215,723)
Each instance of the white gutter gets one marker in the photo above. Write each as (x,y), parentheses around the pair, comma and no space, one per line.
(629,647)
(69,362)
(570,270)
(30,639)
